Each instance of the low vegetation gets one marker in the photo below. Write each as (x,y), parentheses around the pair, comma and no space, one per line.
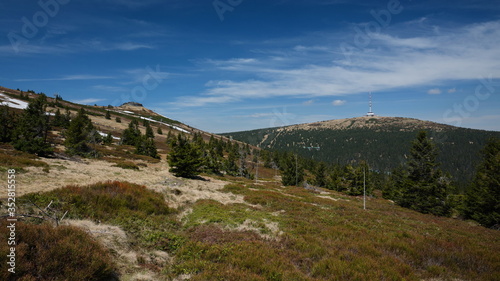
(18,160)
(287,234)
(44,252)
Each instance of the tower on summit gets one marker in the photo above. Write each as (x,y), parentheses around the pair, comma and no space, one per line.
(370,112)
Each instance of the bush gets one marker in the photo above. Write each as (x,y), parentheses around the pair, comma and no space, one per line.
(104,201)
(44,252)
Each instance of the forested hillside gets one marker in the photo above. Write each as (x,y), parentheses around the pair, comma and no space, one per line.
(382,141)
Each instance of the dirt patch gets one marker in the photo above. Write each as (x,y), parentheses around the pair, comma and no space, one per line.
(128,259)
(180,192)
(66,172)
(270,231)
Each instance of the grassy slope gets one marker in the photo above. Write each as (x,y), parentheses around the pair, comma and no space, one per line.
(280,233)
(324,239)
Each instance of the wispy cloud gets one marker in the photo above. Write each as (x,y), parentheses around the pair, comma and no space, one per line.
(67,78)
(435,91)
(308,102)
(452,90)
(338,102)
(89,101)
(389,63)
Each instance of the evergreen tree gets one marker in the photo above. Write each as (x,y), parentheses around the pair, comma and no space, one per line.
(32,130)
(394,187)
(108,139)
(159,131)
(230,164)
(131,135)
(7,121)
(292,171)
(79,134)
(170,137)
(184,158)
(146,146)
(319,175)
(61,120)
(118,119)
(108,115)
(483,196)
(212,161)
(149,131)
(426,188)
(242,169)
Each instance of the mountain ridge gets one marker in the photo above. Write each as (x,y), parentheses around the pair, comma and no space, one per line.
(382,141)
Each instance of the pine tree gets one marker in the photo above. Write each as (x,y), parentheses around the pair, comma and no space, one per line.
(292,171)
(319,175)
(7,121)
(32,130)
(146,146)
(118,119)
(426,188)
(170,137)
(396,185)
(108,115)
(108,139)
(149,131)
(184,158)
(79,134)
(159,131)
(61,120)
(131,135)
(483,197)
(230,163)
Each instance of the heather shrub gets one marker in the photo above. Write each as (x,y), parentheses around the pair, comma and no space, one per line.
(44,252)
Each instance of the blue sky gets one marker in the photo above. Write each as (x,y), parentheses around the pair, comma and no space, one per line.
(229,65)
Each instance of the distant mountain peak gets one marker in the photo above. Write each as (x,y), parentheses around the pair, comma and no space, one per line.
(372,122)
(132,103)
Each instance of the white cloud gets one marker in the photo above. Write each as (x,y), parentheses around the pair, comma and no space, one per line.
(129,46)
(308,102)
(338,102)
(387,64)
(434,91)
(452,90)
(67,78)
(88,101)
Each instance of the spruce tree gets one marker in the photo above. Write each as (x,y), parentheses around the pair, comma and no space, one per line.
(426,188)
(79,134)
(61,120)
(149,131)
(292,171)
(131,135)
(483,196)
(230,163)
(319,175)
(108,139)
(7,121)
(32,130)
(184,158)
(170,137)
(159,131)
(146,146)
(108,115)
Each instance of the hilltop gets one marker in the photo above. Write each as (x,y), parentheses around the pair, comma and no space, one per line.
(376,123)
(382,141)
